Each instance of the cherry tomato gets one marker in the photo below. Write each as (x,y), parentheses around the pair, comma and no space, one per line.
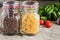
(41,22)
(48,24)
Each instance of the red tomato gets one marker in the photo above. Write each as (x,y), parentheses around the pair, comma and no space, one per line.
(48,24)
(41,22)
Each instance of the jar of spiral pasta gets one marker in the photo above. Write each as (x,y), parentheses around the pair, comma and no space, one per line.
(10,17)
(30,18)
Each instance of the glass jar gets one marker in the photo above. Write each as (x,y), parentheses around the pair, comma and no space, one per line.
(10,18)
(30,18)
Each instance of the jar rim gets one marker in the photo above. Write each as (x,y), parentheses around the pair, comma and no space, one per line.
(35,3)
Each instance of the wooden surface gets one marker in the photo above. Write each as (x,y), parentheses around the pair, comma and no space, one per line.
(52,33)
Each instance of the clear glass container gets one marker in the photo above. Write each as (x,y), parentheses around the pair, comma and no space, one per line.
(30,18)
(10,17)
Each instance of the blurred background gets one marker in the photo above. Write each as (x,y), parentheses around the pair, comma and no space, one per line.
(36,0)
(42,2)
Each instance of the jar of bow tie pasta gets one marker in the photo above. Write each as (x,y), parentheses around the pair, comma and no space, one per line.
(30,18)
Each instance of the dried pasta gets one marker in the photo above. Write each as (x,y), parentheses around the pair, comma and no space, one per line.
(29,24)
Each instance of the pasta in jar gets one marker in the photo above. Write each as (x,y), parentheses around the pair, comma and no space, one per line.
(30,22)
(10,18)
